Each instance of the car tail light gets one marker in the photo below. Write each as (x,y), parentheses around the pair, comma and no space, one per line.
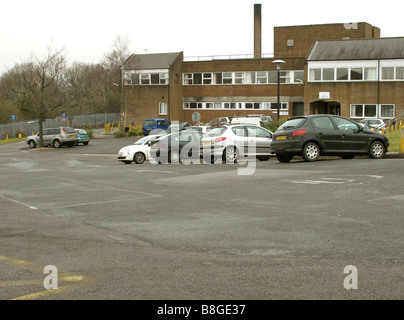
(298,133)
(220,139)
(64,131)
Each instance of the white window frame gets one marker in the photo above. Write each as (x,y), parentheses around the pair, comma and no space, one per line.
(378,111)
(163,108)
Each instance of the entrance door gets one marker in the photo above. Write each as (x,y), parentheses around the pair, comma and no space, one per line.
(298,108)
(333,108)
(325,107)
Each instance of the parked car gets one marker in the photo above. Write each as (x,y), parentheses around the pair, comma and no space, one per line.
(154,125)
(315,135)
(177,126)
(175,147)
(138,152)
(201,129)
(231,142)
(216,122)
(83,136)
(374,123)
(250,120)
(57,137)
(266,119)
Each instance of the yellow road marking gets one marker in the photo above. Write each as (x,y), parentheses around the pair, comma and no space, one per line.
(76,280)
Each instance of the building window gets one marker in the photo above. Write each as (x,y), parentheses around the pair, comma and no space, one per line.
(238,77)
(387,111)
(298,76)
(155,78)
(218,78)
(388,73)
(372,111)
(272,76)
(163,78)
(197,78)
(356,73)
(187,79)
(235,105)
(227,78)
(163,108)
(207,78)
(315,74)
(342,74)
(261,77)
(329,74)
(370,74)
(144,78)
(363,111)
(400,73)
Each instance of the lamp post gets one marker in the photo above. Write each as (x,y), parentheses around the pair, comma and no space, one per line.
(278,68)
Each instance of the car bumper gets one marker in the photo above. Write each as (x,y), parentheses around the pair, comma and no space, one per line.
(287,147)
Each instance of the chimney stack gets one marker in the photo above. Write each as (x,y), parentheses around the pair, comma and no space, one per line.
(257,31)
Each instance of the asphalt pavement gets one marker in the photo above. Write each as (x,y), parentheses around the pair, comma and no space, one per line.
(161,232)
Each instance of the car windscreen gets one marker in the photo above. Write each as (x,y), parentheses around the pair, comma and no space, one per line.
(81,131)
(70,130)
(291,124)
(216,131)
(149,123)
(142,140)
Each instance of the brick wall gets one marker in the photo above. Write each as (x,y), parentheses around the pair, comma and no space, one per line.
(304,36)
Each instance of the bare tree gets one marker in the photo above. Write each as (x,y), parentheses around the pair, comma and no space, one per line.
(114,59)
(37,88)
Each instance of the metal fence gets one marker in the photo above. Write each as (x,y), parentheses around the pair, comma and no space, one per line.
(26,128)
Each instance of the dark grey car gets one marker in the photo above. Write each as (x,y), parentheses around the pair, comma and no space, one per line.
(315,135)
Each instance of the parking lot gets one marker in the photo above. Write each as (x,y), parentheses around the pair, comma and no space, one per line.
(199,231)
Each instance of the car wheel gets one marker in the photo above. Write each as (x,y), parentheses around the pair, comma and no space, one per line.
(139,157)
(32,144)
(174,156)
(85,143)
(284,158)
(76,143)
(311,152)
(230,155)
(263,158)
(376,150)
(57,144)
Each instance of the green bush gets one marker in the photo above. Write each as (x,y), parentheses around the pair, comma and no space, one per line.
(135,131)
(90,132)
(119,134)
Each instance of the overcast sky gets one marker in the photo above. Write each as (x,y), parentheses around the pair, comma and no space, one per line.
(86,28)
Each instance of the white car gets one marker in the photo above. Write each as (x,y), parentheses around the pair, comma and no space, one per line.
(137,152)
(230,142)
(374,123)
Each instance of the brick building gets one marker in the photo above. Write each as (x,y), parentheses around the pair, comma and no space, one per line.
(171,86)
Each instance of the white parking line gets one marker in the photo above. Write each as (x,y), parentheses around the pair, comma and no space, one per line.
(21,203)
(109,201)
(325,181)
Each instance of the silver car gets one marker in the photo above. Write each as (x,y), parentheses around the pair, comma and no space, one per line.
(231,142)
(57,137)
